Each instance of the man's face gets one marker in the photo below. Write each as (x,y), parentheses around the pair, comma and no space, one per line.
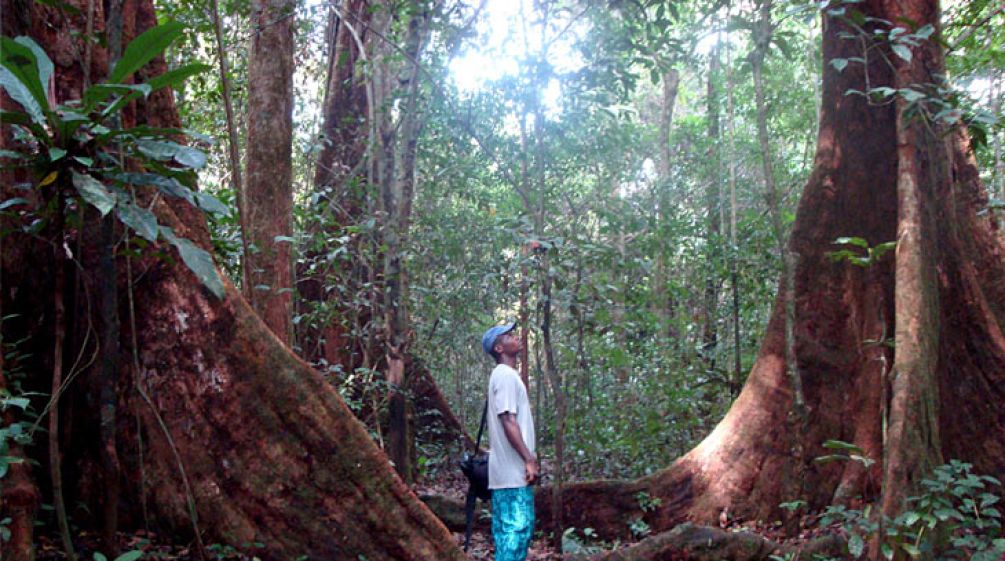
(509,343)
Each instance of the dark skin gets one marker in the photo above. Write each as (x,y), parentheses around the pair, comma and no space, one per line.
(508,347)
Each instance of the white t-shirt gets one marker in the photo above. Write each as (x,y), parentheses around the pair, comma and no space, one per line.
(507,394)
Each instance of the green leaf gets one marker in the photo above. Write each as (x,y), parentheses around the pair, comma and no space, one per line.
(173,77)
(42,63)
(856,545)
(925,32)
(21,74)
(11,155)
(903,51)
(198,261)
(910,549)
(11,202)
(860,242)
(130,555)
(839,63)
(94,192)
(144,48)
(190,157)
(141,220)
(840,444)
(19,402)
(100,92)
(21,94)
(56,154)
(158,149)
(886,550)
(209,203)
(98,556)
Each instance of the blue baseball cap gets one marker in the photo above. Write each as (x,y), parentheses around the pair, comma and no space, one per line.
(489,339)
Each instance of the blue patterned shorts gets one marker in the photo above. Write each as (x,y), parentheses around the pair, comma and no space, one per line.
(512,522)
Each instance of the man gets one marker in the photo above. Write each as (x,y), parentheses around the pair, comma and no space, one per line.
(513,467)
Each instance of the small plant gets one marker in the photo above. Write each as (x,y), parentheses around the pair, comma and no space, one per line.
(573,545)
(79,150)
(647,502)
(639,527)
(954,518)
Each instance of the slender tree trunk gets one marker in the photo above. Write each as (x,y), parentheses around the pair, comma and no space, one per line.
(736,379)
(269,191)
(713,196)
(399,141)
(663,304)
(233,145)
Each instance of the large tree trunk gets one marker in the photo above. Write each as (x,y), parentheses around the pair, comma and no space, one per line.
(269,189)
(880,176)
(231,422)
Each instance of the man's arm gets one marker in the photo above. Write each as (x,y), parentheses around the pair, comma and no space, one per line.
(512,430)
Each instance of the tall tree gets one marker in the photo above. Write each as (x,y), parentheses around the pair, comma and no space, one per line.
(269,188)
(239,436)
(881,174)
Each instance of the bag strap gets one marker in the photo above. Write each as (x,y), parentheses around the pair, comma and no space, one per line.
(481,427)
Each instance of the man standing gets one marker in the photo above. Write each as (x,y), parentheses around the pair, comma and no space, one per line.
(513,467)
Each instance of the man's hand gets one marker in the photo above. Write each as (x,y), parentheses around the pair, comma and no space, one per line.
(533,471)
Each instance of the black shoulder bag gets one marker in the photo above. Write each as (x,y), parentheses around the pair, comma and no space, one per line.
(475,467)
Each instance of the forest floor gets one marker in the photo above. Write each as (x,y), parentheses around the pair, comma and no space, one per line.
(444,481)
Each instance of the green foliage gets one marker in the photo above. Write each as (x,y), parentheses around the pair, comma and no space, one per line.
(82,144)
(955,517)
(864,255)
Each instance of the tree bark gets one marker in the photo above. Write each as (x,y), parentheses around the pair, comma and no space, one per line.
(272,454)
(879,177)
(269,189)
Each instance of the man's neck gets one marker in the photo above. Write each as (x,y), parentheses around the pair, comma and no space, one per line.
(508,360)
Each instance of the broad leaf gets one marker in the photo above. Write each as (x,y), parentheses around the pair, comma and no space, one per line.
(158,149)
(166,185)
(42,62)
(130,555)
(144,48)
(198,261)
(12,202)
(903,51)
(176,76)
(190,157)
(141,220)
(94,192)
(209,203)
(20,75)
(21,94)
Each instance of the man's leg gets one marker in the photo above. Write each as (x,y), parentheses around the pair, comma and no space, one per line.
(512,522)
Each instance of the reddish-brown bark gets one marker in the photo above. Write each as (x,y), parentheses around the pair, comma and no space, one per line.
(269,177)
(229,419)
(882,176)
